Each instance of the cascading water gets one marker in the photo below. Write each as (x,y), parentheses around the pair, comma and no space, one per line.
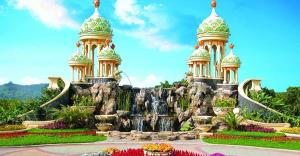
(166,124)
(154,104)
(138,123)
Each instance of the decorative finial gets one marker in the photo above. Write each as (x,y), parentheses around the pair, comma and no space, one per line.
(97,3)
(214,3)
(201,43)
(113,46)
(196,46)
(231,46)
(78,44)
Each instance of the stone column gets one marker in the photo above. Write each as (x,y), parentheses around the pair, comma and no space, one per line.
(111,69)
(72,70)
(219,61)
(104,69)
(194,66)
(201,70)
(225,77)
(229,77)
(236,76)
(78,74)
(100,69)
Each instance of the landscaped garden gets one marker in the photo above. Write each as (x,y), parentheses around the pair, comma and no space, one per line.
(257,139)
(152,149)
(49,136)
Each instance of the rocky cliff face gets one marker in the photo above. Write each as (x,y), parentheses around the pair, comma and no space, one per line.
(153,108)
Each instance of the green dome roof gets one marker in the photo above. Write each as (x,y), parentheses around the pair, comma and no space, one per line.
(231,61)
(213,25)
(79,58)
(96,25)
(200,54)
(109,53)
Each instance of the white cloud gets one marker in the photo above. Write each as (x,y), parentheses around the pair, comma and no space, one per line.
(49,12)
(151,38)
(28,80)
(128,12)
(3,80)
(150,80)
(151,24)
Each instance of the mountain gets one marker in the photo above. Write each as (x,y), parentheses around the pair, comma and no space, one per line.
(21,92)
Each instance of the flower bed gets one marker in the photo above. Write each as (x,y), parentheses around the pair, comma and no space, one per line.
(256,128)
(20,134)
(157,147)
(140,152)
(221,136)
(295,130)
(55,125)
(12,127)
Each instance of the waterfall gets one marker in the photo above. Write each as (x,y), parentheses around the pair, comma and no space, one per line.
(154,104)
(166,124)
(138,123)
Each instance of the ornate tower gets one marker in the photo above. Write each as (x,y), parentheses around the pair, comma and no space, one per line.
(96,36)
(79,63)
(231,63)
(94,32)
(199,62)
(214,32)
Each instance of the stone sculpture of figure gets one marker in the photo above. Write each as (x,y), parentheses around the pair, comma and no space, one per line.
(189,76)
(117,75)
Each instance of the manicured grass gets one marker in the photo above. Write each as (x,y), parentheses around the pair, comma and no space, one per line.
(46,139)
(251,134)
(291,145)
(37,130)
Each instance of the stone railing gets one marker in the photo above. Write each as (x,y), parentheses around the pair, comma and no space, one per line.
(251,105)
(62,98)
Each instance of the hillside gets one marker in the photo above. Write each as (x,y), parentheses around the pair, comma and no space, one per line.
(16,91)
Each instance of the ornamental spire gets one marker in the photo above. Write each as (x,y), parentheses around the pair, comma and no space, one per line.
(96,3)
(78,46)
(201,43)
(231,46)
(213,3)
(96,13)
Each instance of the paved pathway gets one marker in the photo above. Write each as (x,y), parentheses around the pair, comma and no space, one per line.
(196,146)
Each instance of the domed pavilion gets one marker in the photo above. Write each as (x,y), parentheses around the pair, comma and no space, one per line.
(231,64)
(214,32)
(95,37)
(199,62)
(208,62)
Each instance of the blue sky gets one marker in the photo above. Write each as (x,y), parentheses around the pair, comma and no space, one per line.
(153,37)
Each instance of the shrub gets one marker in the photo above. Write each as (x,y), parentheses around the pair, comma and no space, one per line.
(75,117)
(11,127)
(255,128)
(232,120)
(83,101)
(184,102)
(55,125)
(186,126)
(295,130)
(225,102)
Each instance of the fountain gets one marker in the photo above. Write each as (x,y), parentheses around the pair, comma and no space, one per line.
(202,123)
(105,122)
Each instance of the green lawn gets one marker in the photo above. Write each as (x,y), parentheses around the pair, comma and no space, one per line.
(37,130)
(251,134)
(46,139)
(291,145)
